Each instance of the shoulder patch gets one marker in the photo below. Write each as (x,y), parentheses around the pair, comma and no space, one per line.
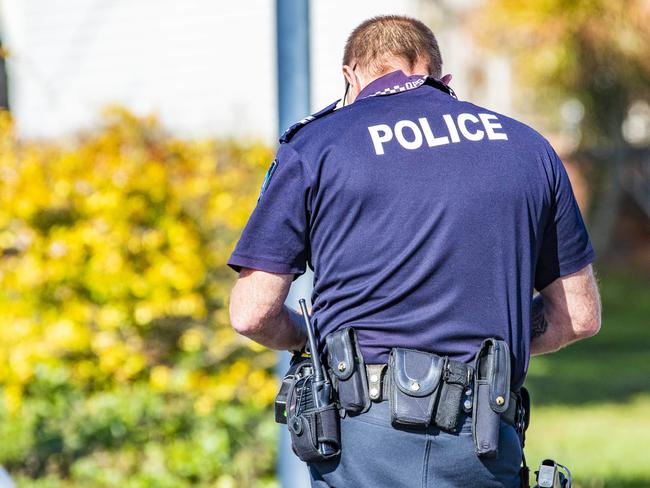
(267,178)
(289,133)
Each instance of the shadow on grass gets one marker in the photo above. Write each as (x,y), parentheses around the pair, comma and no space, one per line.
(611,367)
(614,483)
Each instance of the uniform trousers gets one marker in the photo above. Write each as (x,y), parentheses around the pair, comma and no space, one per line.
(377,455)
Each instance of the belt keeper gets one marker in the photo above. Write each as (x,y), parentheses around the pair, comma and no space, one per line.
(375,376)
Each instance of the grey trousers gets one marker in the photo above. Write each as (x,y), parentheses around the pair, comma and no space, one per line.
(376,455)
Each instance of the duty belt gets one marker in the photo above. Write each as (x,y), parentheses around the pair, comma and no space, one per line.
(378,390)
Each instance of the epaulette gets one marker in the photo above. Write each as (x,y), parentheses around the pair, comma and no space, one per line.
(289,133)
(436,83)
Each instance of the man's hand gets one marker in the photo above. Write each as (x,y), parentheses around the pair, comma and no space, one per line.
(571,312)
(257,310)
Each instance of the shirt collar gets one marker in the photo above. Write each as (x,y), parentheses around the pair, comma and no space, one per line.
(397,82)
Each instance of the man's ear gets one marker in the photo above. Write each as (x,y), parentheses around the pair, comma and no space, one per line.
(350,75)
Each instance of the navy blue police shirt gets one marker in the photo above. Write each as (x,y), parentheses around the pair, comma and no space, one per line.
(427,221)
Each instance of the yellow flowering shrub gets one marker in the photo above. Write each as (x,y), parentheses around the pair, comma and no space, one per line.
(118,366)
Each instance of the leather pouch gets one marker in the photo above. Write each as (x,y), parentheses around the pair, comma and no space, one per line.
(348,370)
(456,380)
(491,395)
(414,386)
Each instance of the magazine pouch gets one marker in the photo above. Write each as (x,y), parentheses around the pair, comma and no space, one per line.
(348,370)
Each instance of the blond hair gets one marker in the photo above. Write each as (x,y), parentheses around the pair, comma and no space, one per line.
(377,41)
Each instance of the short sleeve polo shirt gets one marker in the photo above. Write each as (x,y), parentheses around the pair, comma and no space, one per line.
(428,221)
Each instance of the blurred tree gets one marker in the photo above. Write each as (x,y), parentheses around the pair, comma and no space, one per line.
(592,53)
(118,365)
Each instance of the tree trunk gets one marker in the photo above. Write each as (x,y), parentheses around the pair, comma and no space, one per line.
(608,201)
(4,84)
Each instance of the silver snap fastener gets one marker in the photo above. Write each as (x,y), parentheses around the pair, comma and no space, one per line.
(341,366)
(374,393)
(468,392)
(374,378)
(467,405)
(415,386)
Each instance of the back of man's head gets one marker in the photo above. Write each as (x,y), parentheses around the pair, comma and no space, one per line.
(378,43)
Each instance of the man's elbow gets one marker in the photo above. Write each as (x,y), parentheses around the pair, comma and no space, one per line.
(245,322)
(257,302)
(588,327)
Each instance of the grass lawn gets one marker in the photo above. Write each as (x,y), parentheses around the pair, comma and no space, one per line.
(591,401)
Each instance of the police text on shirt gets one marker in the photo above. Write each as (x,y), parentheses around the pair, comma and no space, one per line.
(411,135)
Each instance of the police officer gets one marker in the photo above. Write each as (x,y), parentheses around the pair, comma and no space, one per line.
(428,222)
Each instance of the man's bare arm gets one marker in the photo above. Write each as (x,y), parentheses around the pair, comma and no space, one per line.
(257,310)
(571,312)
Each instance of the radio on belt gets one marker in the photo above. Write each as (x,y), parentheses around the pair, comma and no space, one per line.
(306,401)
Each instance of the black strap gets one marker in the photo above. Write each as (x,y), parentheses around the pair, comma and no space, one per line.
(524,473)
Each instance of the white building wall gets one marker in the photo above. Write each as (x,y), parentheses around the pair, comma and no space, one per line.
(206,67)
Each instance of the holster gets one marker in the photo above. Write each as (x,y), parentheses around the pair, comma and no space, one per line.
(314,429)
(348,370)
(414,386)
(491,395)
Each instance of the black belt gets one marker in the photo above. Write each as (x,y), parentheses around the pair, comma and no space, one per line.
(378,392)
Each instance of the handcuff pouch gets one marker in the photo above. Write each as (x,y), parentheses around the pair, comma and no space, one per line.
(414,386)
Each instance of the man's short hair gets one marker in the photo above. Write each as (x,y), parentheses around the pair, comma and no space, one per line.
(374,42)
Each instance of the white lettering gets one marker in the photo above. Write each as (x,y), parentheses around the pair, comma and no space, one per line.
(453,132)
(428,135)
(378,140)
(462,125)
(465,126)
(490,126)
(399,134)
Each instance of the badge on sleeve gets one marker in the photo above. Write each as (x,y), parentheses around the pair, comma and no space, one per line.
(267,178)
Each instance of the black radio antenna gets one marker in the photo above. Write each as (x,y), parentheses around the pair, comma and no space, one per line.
(318,368)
